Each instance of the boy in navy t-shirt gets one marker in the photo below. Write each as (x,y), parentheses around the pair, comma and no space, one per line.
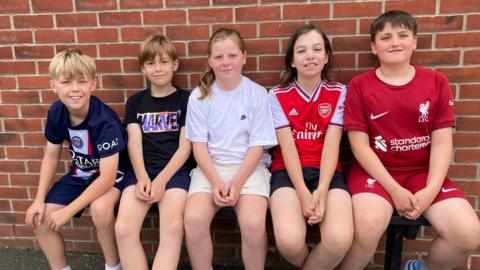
(96,138)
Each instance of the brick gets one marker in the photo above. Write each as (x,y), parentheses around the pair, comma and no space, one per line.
(462,171)
(33,21)
(247,30)
(210,15)
(470,39)
(10,139)
(266,79)
(48,96)
(122,81)
(468,123)
(34,111)
(185,3)
(97,35)
(24,152)
(77,233)
(118,50)
(192,64)
(471,57)
(20,97)
(470,91)
(188,32)
(473,21)
(365,24)
(6,230)
(111,96)
(424,42)
(420,7)
(37,139)
(30,52)
(95,5)
(271,62)
(344,60)
(262,46)
(278,29)
(306,11)
(468,74)
(181,48)
(236,2)
(459,6)
(257,13)
(6,53)
(8,111)
(108,66)
(467,155)
(425,58)
(51,5)
(7,82)
(9,6)
(461,139)
(436,24)
(125,4)
(467,107)
(163,17)
(469,187)
(197,48)
(5,22)
(337,27)
(34,82)
(76,19)
(5,206)
(23,125)
(54,36)
(361,9)
(351,44)
(11,166)
(139,33)
(17,67)
(7,37)
(119,18)
(90,50)
(131,65)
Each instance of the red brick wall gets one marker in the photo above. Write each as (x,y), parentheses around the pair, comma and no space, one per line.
(31,32)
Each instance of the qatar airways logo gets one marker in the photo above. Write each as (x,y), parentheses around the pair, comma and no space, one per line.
(402,145)
(309,133)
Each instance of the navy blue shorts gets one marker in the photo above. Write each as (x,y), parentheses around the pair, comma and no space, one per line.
(311,176)
(181,179)
(68,188)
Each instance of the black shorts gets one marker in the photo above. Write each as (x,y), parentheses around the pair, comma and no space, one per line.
(311,176)
(181,179)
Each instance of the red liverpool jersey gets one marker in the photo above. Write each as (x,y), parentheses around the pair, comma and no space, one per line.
(400,119)
(308,116)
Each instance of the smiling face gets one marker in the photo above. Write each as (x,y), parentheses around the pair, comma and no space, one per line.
(74,92)
(309,56)
(226,60)
(394,45)
(159,71)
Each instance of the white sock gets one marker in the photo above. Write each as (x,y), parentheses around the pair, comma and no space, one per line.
(67,268)
(116,267)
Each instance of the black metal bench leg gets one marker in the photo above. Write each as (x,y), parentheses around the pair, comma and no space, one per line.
(393,250)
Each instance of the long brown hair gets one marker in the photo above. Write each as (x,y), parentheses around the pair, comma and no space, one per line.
(290,72)
(208,77)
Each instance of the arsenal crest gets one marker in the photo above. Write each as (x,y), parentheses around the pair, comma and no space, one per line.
(324,109)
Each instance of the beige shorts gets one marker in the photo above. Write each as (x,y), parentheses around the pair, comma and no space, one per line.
(257,184)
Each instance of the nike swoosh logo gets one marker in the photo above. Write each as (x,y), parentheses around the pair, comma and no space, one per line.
(373,117)
(448,189)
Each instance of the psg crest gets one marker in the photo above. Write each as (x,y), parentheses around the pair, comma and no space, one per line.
(324,109)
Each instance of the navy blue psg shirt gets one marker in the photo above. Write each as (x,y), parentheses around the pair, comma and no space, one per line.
(100,135)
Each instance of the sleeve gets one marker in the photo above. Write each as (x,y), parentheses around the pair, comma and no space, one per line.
(108,137)
(196,120)
(280,120)
(354,118)
(184,109)
(262,131)
(445,116)
(337,119)
(130,111)
(52,134)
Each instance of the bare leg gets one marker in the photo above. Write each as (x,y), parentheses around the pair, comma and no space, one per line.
(371,215)
(251,213)
(171,211)
(130,218)
(458,230)
(289,225)
(336,231)
(103,217)
(50,241)
(199,213)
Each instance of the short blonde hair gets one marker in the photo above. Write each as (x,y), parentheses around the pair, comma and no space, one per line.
(156,44)
(72,63)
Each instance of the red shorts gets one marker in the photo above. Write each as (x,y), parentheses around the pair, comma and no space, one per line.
(359,181)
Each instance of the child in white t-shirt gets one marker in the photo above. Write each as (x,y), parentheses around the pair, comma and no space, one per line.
(230,124)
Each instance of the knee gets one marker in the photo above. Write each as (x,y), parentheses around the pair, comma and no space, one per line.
(368,231)
(253,229)
(102,214)
(337,244)
(42,229)
(291,243)
(173,227)
(465,237)
(124,231)
(195,225)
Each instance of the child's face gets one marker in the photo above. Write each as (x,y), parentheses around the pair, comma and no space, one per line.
(226,60)
(394,45)
(309,56)
(160,70)
(74,92)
